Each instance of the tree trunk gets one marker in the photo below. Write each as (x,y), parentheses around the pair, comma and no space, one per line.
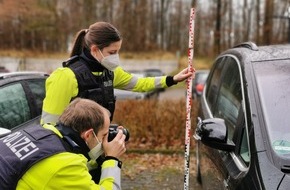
(258,37)
(217,43)
(267,36)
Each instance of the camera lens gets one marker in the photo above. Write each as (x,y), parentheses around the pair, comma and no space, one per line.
(126,133)
(113,131)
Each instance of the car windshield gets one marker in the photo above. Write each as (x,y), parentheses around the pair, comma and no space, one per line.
(273,81)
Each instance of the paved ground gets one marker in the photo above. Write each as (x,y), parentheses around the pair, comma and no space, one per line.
(159,180)
(168,175)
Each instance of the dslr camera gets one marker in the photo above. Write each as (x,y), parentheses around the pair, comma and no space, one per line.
(113,131)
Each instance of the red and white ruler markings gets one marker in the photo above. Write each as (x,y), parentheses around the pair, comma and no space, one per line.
(189,100)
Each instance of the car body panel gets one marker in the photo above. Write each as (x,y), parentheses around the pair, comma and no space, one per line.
(234,93)
(4,131)
(285,183)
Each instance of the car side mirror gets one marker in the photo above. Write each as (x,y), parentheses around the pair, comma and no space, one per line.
(213,133)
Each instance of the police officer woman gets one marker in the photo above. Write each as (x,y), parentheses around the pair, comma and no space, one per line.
(93,71)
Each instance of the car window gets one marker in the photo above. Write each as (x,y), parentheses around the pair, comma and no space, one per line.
(213,85)
(225,97)
(14,108)
(229,96)
(244,148)
(37,88)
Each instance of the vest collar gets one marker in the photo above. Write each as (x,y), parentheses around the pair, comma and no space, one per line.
(93,64)
(74,139)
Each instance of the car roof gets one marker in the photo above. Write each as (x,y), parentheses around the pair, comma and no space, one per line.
(21,75)
(249,52)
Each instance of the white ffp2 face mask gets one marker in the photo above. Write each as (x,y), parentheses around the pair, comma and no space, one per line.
(111,62)
(97,151)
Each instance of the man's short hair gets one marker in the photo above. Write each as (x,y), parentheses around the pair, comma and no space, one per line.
(83,114)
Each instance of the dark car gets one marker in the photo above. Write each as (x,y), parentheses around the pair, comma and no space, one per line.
(21,96)
(243,130)
(198,83)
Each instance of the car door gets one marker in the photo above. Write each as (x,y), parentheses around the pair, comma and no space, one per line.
(21,101)
(224,97)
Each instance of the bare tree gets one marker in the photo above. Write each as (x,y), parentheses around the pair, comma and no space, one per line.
(163,11)
(258,21)
(268,24)
(217,44)
(49,25)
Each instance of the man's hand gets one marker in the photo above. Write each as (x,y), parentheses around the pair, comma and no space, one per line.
(116,147)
